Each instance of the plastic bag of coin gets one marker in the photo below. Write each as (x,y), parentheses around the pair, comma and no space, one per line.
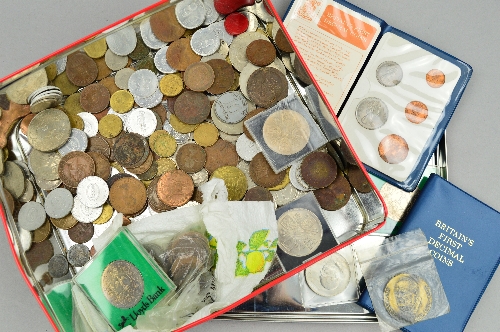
(403,281)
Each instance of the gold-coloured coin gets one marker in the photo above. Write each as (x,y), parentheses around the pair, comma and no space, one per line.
(235,181)
(206,134)
(110,126)
(65,222)
(283,184)
(122,101)
(42,233)
(118,167)
(236,83)
(180,126)
(97,49)
(107,213)
(51,71)
(407,298)
(5,154)
(162,143)
(165,165)
(63,83)
(146,183)
(171,85)
(72,104)
(75,121)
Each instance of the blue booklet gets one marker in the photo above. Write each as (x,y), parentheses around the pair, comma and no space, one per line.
(462,233)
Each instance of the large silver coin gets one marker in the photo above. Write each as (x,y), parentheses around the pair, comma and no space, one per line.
(190,13)
(231,107)
(123,41)
(83,213)
(143,83)
(330,276)
(389,73)
(49,130)
(122,284)
(372,113)
(161,63)
(141,121)
(149,37)
(92,191)
(31,216)
(204,42)
(299,232)
(58,266)
(90,123)
(78,255)
(78,141)
(59,203)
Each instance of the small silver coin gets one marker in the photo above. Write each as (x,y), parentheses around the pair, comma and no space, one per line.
(161,63)
(115,62)
(149,37)
(211,14)
(204,42)
(220,30)
(231,107)
(123,41)
(59,203)
(141,121)
(122,77)
(330,276)
(78,255)
(190,13)
(83,213)
(28,192)
(389,73)
(61,65)
(295,177)
(122,284)
(90,123)
(179,138)
(372,113)
(92,191)
(58,266)
(143,83)
(200,177)
(246,149)
(299,232)
(151,101)
(31,216)
(78,141)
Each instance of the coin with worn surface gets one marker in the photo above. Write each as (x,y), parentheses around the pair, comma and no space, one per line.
(58,266)
(39,253)
(190,14)
(266,86)
(165,26)
(199,76)
(372,113)
(99,144)
(121,101)
(94,98)
(74,167)
(114,61)
(318,170)
(287,195)
(84,213)
(246,148)
(19,91)
(107,213)
(330,276)
(238,50)
(175,188)
(92,191)
(165,165)
(81,232)
(153,200)
(231,107)
(282,42)
(131,150)
(205,42)
(222,153)
(9,201)
(299,232)
(180,54)
(49,130)
(206,134)
(65,222)
(335,196)
(191,158)
(235,181)
(31,216)
(162,143)
(96,49)
(128,196)
(224,76)
(161,63)
(63,83)
(435,78)
(122,284)
(358,179)
(149,37)
(140,51)
(171,85)
(91,124)
(78,255)
(44,164)
(123,41)
(262,173)
(58,203)
(78,141)
(141,121)
(286,132)
(389,73)
(407,298)
(122,76)
(143,83)
(81,69)
(150,173)
(261,52)
(192,107)
(416,112)
(110,126)
(258,194)
(393,149)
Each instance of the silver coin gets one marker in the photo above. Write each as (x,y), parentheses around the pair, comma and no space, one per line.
(330,276)
(161,63)
(149,37)
(78,255)
(59,203)
(244,166)
(253,21)
(286,195)
(238,49)
(200,177)
(48,184)
(229,138)
(204,42)
(115,62)
(246,149)
(228,128)
(143,83)
(220,30)
(122,77)
(372,113)
(211,14)
(299,232)
(44,164)
(294,177)
(44,91)
(123,116)
(190,13)
(389,73)
(122,284)
(92,191)
(29,191)
(90,123)
(179,138)
(151,101)
(78,141)
(31,216)
(58,266)
(83,213)
(123,41)
(61,65)
(231,107)
(26,238)
(141,121)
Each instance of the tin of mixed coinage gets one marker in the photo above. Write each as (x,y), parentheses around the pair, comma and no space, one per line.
(330,276)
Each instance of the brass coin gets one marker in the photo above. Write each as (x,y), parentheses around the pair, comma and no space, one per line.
(72,104)
(44,164)
(346,153)
(175,188)
(286,132)
(109,83)
(131,150)
(165,165)
(110,126)
(416,112)
(224,76)
(122,101)
(180,126)
(180,54)
(102,165)
(103,70)
(75,121)
(261,52)
(144,167)
(39,253)
(258,194)
(81,69)
(96,49)
(74,167)
(222,153)
(162,143)
(128,196)
(206,134)
(51,72)
(318,170)
(65,222)
(299,232)
(282,42)
(393,149)
(335,196)
(49,130)
(19,91)
(250,115)
(122,284)
(99,144)
(358,179)
(165,26)
(283,183)
(171,85)
(140,51)
(435,78)
(266,86)
(199,76)
(64,84)
(94,98)
(192,107)
(42,233)
(407,298)
(191,158)
(107,213)
(149,174)
(262,173)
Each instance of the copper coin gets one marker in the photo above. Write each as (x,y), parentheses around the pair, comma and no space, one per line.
(393,149)
(180,54)
(249,116)
(74,167)
(81,232)
(94,98)
(116,177)
(358,179)
(224,76)
(81,69)
(199,76)
(192,107)
(347,154)
(150,173)
(102,165)
(144,167)
(416,112)
(99,144)
(103,70)
(282,42)
(435,78)
(109,83)
(161,111)
(261,52)
(39,253)
(175,188)
(335,196)
(26,122)
(266,86)
(131,150)
(262,173)
(318,170)
(191,158)
(222,153)
(258,194)
(165,26)
(128,196)
(153,200)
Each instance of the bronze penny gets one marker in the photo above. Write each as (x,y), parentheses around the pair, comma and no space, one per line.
(250,115)
(144,167)
(109,83)
(335,196)
(81,232)
(74,167)
(102,165)
(192,107)
(416,112)
(161,111)
(262,173)
(258,194)
(318,170)
(261,52)
(191,158)
(301,72)
(199,76)
(358,179)
(435,78)
(393,149)
(128,196)
(222,153)
(175,188)
(103,70)
(131,150)
(94,98)
(282,42)
(266,86)
(224,76)
(39,253)
(347,154)
(99,144)
(117,177)
(81,69)
(180,54)
(165,26)
(150,173)
(153,200)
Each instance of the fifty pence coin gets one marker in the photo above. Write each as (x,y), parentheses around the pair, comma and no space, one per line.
(83,213)
(330,276)
(299,232)
(389,73)
(372,113)
(92,191)
(31,216)
(122,284)
(59,203)
(78,255)
(58,266)
(78,141)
